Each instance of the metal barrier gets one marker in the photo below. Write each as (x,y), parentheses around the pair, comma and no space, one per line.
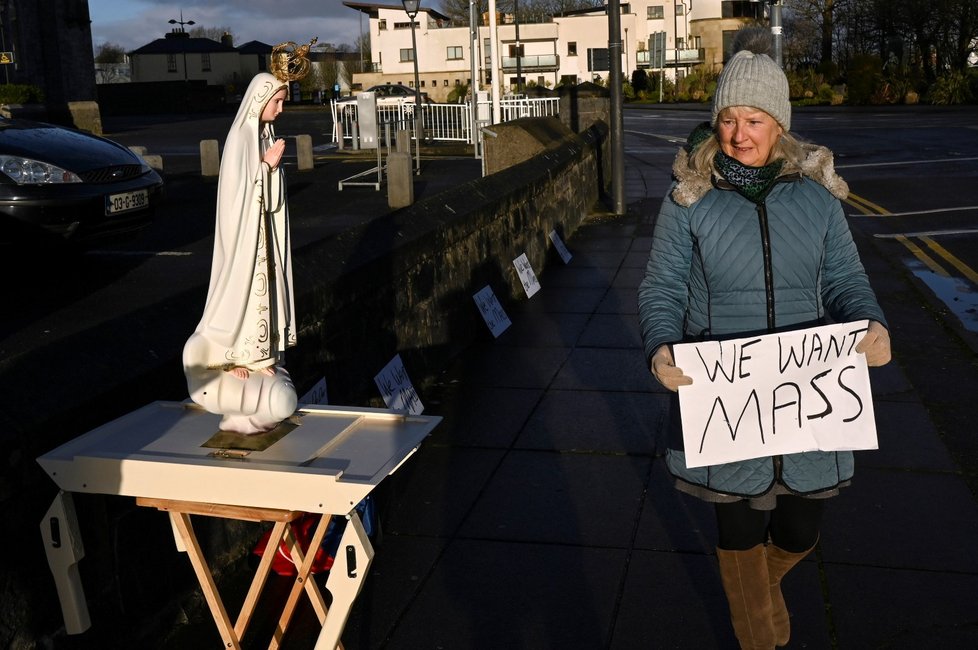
(447,122)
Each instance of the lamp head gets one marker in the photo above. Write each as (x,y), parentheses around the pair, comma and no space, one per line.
(411,7)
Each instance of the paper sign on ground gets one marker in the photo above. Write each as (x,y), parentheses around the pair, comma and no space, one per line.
(396,388)
(776,394)
(317,394)
(492,312)
(559,245)
(529,279)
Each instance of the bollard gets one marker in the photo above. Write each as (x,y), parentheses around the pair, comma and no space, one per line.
(303,145)
(210,158)
(403,139)
(339,136)
(400,180)
(154,161)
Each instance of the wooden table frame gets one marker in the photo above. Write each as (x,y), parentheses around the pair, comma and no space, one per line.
(186,539)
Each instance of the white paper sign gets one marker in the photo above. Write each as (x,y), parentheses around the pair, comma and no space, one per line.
(492,312)
(529,279)
(317,394)
(559,245)
(776,394)
(396,388)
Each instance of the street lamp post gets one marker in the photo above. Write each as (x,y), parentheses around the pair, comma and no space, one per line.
(183,22)
(411,9)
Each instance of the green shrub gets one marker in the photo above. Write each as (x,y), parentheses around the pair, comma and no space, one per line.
(865,78)
(951,88)
(20,94)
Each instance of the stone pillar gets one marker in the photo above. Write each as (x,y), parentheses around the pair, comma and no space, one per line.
(400,180)
(210,158)
(403,139)
(303,144)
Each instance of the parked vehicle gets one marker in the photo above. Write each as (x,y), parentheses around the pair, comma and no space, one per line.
(70,184)
(390,95)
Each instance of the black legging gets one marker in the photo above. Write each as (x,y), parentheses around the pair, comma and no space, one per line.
(792,525)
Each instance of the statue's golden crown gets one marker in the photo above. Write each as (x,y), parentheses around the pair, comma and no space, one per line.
(290,62)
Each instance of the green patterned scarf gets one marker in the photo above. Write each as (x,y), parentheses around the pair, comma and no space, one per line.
(752,182)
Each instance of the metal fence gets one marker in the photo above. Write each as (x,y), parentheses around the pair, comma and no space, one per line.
(448,122)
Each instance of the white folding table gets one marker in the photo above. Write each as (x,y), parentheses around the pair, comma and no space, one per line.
(325,461)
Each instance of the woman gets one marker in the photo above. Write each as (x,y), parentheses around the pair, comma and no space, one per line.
(233,361)
(752,239)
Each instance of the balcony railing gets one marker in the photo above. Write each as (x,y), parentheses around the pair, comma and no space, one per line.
(533,62)
(686,57)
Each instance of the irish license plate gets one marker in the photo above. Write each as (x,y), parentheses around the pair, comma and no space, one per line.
(126,201)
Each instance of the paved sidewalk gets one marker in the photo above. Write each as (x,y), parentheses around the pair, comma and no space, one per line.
(539,514)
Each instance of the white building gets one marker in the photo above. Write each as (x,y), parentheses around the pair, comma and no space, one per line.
(569,48)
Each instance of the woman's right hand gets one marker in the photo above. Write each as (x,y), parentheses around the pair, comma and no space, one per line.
(665,371)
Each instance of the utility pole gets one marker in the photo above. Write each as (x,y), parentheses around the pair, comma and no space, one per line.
(617,131)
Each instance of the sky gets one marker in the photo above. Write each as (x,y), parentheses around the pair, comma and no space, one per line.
(134,23)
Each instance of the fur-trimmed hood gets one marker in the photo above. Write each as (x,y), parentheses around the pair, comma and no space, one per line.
(816,163)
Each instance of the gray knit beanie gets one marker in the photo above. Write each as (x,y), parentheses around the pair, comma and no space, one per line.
(752,78)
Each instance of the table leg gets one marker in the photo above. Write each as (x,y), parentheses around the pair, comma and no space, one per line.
(261,576)
(181,522)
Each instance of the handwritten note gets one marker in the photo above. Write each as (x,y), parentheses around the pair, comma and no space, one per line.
(561,248)
(317,394)
(529,279)
(776,394)
(492,312)
(396,388)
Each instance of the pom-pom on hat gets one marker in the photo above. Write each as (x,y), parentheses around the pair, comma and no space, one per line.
(752,78)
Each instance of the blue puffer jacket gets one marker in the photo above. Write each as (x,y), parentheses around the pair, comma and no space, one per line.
(722,266)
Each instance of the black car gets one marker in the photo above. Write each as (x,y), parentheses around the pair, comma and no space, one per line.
(71,184)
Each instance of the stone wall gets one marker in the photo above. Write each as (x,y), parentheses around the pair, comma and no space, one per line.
(402,284)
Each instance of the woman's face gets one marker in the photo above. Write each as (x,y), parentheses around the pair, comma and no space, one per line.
(274,106)
(747,134)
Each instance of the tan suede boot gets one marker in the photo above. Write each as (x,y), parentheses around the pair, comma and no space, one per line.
(746,583)
(779,562)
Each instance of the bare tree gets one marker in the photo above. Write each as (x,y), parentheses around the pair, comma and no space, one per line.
(213,33)
(109,53)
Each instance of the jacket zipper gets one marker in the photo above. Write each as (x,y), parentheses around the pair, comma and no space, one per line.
(768,272)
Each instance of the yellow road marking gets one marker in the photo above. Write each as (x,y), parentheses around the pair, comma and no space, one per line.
(922,256)
(965,270)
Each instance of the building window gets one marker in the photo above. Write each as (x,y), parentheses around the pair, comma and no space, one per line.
(742,9)
(205,62)
(422,83)
(406,25)
(458,82)
(655,12)
(515,51)
(171,62)
(680,9)
(382,24)
(407,54)
(454,53)
(571,48)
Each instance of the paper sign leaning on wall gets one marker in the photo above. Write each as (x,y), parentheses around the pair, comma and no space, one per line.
(492,312)
(396,388)
(529,279)
(559,245)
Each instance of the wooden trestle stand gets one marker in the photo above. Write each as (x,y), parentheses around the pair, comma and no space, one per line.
(163,454)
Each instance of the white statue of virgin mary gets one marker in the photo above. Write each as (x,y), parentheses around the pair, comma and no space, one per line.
(234,359)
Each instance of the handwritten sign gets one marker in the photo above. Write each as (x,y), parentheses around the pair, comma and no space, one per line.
(492,312)
(396,388)
(776,394)
(529,279)
(561,248)
(317,394)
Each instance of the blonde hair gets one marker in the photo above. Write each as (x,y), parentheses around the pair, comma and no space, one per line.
(787,148)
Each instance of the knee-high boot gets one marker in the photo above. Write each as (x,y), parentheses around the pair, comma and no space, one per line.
(746,583)
(779,562)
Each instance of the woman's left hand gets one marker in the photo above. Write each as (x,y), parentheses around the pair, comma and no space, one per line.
(875,344)
(274,154)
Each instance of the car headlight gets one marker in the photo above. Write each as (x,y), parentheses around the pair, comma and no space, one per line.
(26,171)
